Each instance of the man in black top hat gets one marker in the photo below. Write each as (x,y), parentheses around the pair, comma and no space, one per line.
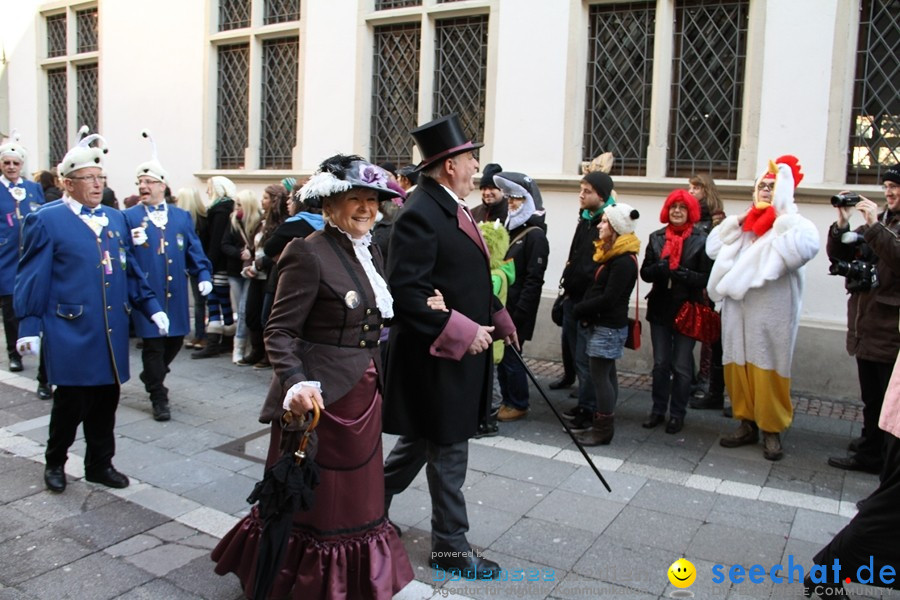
(438,366)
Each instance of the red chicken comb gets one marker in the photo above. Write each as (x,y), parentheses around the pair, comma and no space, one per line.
(794,163)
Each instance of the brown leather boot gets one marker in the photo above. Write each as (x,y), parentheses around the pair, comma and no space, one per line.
(600,433)
(746,433)
(772,446)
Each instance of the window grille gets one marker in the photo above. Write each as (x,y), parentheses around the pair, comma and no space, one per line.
(875,126)
(56,35)
(281,11)
(395,92)
(446,1)
(86,24)
(460,71)
(86,82)
(57,118)
(232,105)
(279,103)
(707,87)
(389,4)
(619,84)
(234,14)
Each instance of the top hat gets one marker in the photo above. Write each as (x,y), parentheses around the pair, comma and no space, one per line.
(441,139)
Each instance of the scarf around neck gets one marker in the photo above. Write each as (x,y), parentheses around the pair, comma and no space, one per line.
(624,244)
(675,236)
(760,218)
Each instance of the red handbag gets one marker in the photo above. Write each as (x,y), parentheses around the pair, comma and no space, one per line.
(699,322)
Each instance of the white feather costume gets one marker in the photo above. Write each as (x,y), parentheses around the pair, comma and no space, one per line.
(759,281)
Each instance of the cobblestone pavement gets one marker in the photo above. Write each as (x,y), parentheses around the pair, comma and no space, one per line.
(533,504)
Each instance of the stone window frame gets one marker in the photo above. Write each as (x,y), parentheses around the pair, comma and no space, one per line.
(255,37)
(71,61)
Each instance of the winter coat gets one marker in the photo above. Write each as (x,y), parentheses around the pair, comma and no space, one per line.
(491,212)
(529,253)
(873,315)
(435,389)
(606,302)
(274,246)
(218,220)
(233,243)
(578,273)
(671,290)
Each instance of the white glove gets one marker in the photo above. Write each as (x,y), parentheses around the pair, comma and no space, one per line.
(138,236)
(162,321)
(295,390)
(29,345)
(205,287)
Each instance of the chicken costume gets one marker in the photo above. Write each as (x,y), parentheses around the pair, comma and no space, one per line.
(758,277)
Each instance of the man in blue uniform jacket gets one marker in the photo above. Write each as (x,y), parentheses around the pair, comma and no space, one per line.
(18,197)
(165,246)
(76,284)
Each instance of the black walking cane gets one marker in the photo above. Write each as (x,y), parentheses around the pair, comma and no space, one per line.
(559,417)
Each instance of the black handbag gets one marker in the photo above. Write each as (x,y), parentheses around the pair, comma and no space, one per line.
(556,313)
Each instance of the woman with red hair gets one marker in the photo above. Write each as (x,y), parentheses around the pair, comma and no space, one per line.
(676,264)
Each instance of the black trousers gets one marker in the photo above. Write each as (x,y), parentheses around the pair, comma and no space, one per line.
(95,407)
(873,532)
(10,325)
(873,382)
(446,466)
(157,355)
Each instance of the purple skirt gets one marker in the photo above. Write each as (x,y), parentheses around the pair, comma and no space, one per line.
(344,547)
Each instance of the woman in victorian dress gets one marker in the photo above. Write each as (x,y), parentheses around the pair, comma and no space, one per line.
(322,340)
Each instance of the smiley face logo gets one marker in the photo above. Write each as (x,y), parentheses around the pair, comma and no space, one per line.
(682,573)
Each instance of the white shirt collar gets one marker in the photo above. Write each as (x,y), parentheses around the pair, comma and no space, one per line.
(74,205)
(453,194)
(6,182)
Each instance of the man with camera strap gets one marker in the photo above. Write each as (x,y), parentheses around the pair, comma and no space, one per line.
(869,260)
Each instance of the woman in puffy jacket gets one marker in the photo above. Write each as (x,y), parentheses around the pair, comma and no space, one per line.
(604,309)
(677,265)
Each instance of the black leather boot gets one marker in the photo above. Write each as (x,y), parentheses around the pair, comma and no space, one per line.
(213,347)
(600,433)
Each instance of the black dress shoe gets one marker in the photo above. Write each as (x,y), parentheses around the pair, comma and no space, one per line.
(853,463)
(161,411)
(486,430)
(44,391)
(561,384)
(15,364)
(108,477)
(653,420)
(55,479)
(470,566)
(674,425)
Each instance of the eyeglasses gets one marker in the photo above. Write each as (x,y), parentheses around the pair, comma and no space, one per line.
(11,163)
(890,187)
(89,178)
(147,181)
(766,186)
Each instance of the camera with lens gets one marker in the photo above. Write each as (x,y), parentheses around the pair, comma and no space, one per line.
(845,200)
(861,275)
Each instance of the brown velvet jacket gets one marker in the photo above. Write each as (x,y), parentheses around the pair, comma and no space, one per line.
(324,324)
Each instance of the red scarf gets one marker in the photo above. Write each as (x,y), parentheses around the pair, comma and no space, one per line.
(675,236)
(760,220)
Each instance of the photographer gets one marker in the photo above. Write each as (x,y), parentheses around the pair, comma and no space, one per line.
(869,260)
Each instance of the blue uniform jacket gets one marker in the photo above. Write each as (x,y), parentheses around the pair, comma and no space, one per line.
(66,290)
(166,267)
(12,215)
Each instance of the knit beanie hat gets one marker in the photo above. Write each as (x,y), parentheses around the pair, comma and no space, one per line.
(622,217)
(601,182)
(684,197)
(892,175)
(487,175)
